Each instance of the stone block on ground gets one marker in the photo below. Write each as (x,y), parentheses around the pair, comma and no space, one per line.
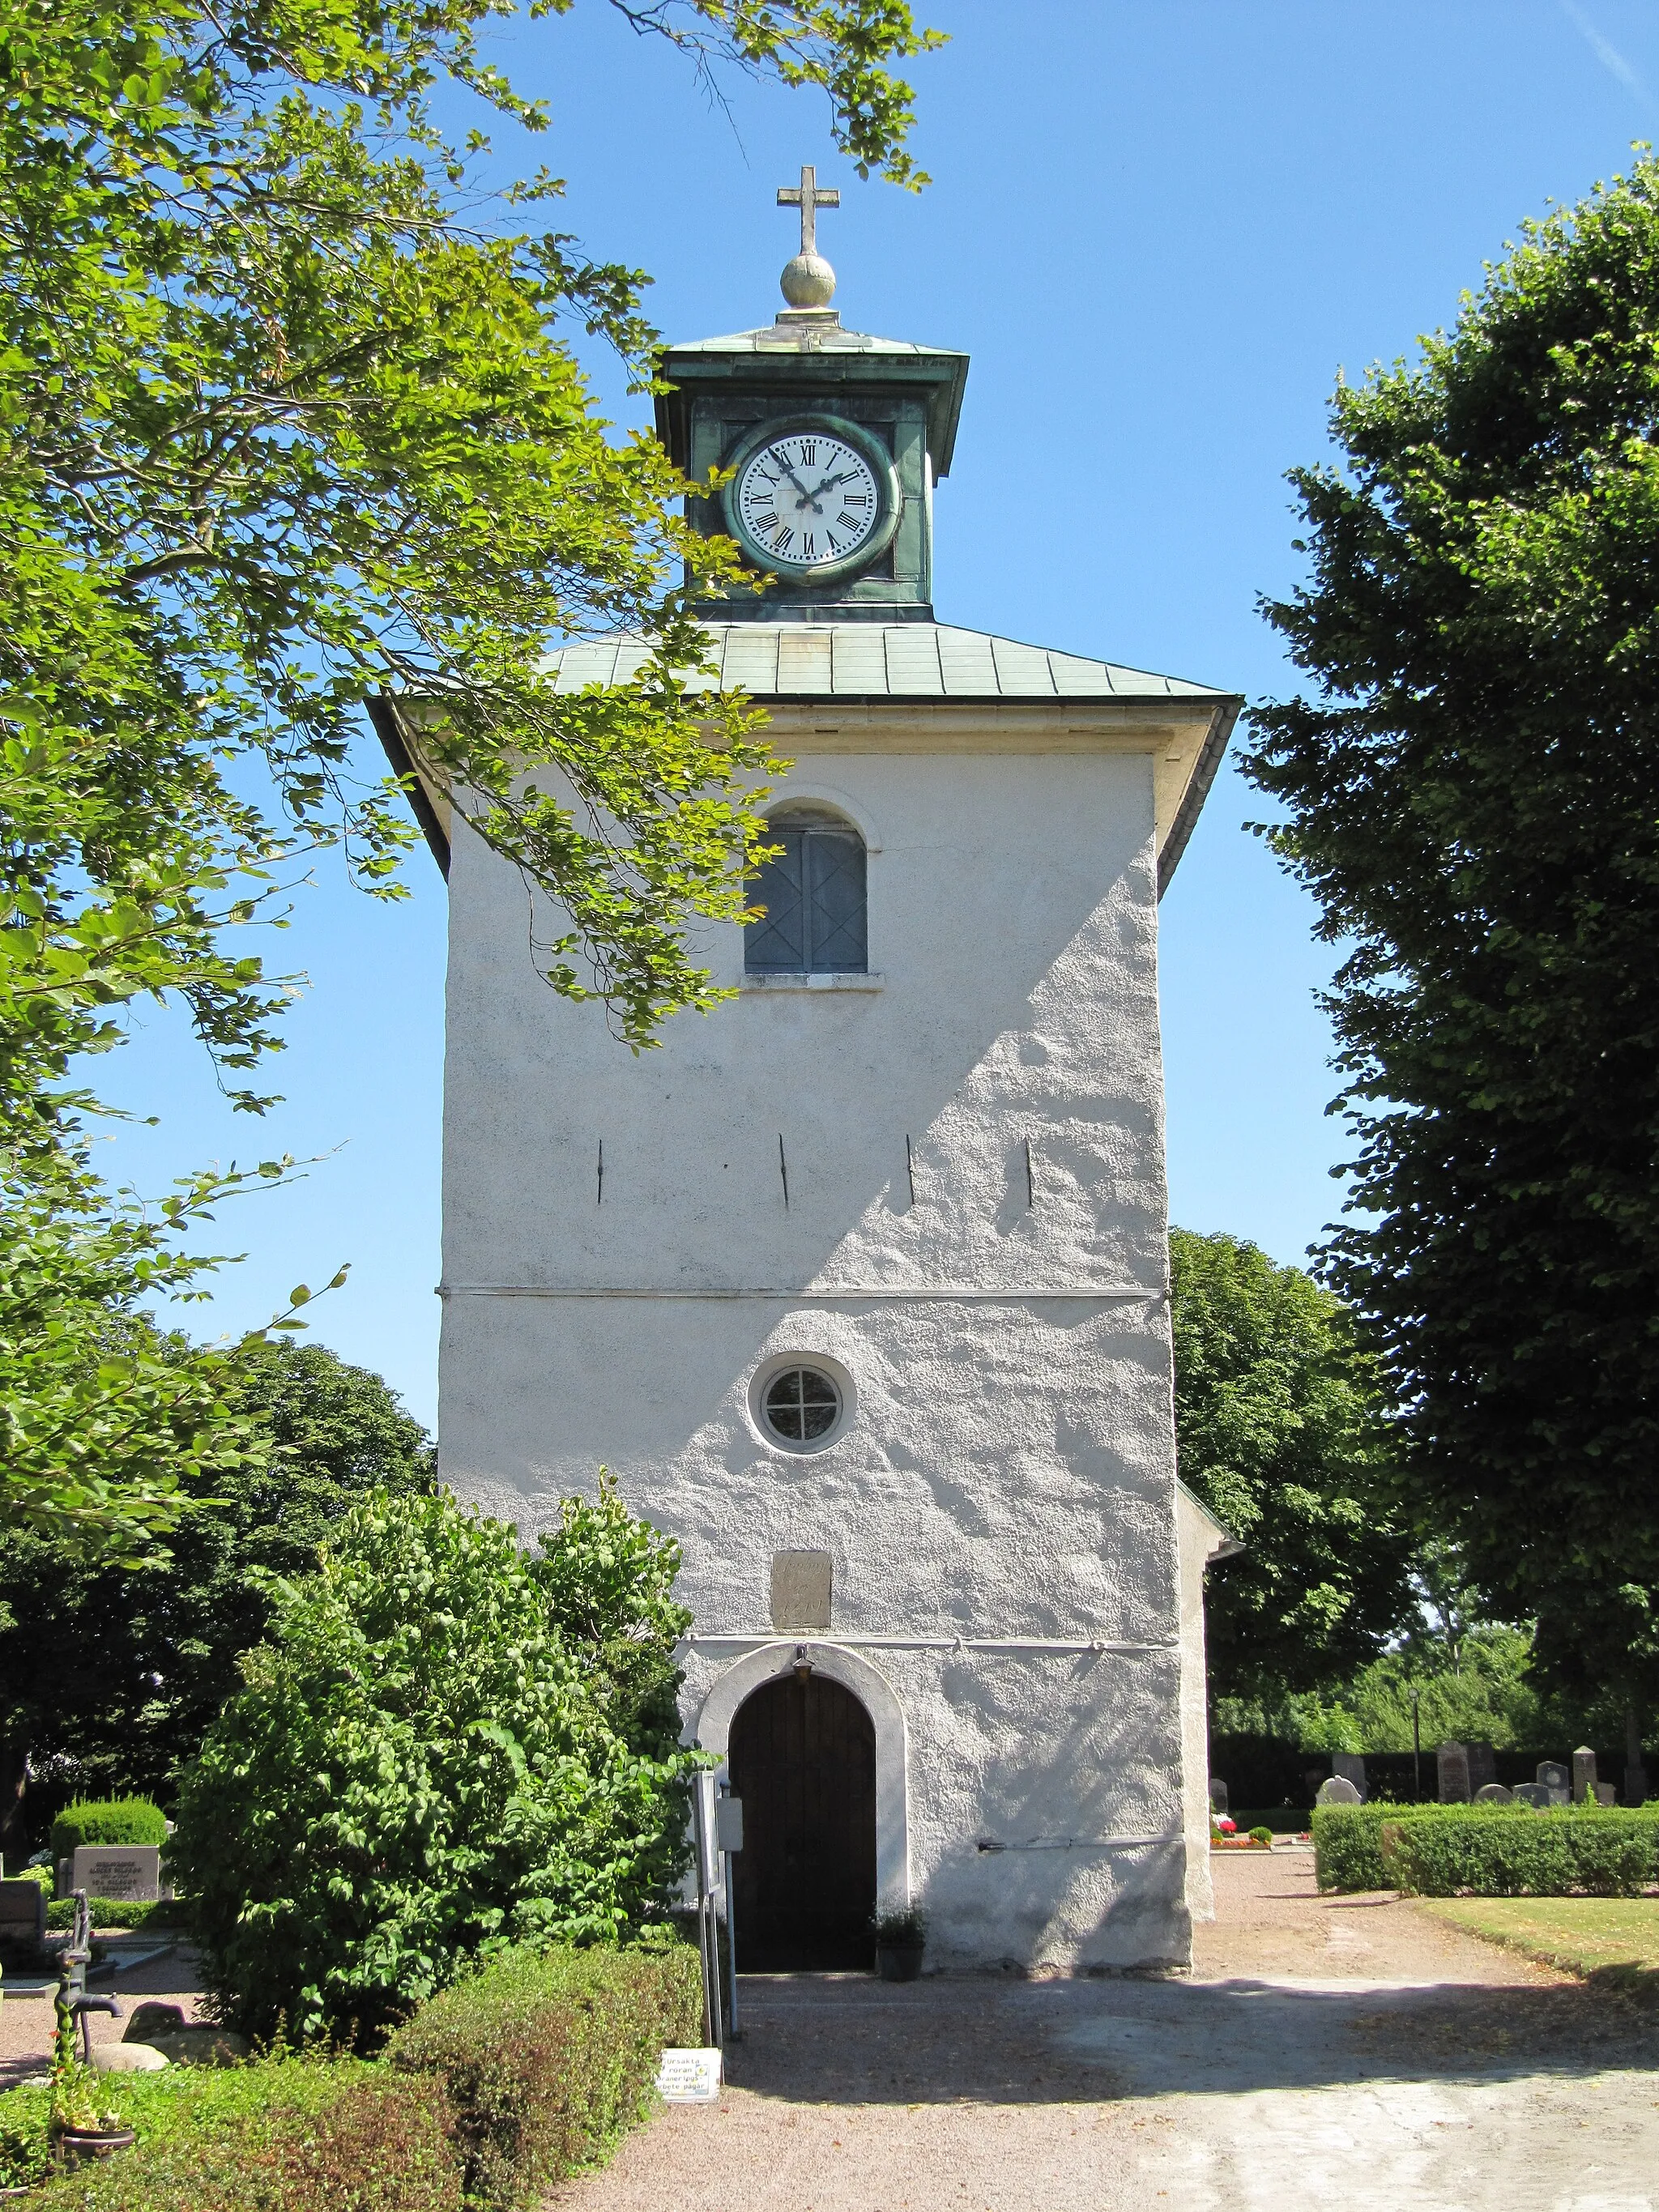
(128,2058)
(201,2045)
(152,2018)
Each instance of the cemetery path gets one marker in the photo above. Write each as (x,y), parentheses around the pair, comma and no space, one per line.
(26,2022)
(1324,2049)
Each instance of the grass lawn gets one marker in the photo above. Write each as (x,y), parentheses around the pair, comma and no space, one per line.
(1585,1934)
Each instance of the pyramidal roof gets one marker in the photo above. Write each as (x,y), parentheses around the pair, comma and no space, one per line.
(879,660)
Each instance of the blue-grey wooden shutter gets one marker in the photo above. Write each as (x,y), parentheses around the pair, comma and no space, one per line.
(835,936)
(777,940)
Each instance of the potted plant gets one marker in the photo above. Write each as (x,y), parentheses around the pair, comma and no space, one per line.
(80,2128)
(900,1938)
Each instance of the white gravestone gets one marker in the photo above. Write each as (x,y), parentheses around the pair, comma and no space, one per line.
(128,1872)
(689,2077)
(1492,1793)
(1339,1790)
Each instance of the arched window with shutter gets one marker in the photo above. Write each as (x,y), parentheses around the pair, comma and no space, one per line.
(814,897)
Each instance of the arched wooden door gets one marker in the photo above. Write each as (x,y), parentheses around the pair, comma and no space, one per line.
(802,1757)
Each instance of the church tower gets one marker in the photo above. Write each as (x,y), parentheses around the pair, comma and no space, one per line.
(868,1302)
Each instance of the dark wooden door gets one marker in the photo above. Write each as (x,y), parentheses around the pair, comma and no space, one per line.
(803,1760)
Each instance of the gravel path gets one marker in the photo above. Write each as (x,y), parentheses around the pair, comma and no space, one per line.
(26,2022)
(1323,2050)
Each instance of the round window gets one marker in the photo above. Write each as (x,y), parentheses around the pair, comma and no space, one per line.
(801,1405)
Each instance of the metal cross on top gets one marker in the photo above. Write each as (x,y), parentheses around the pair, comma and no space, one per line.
(809,199)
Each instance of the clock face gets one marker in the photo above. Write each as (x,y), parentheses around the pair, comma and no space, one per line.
(807,498)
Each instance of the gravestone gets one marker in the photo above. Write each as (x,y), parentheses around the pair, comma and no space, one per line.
(1557,1779)
(1351,1768)
(1493,1793)
(1452,1762)
(125,1873)
(1339,1790)
(1538,1794)
(1607,1793)
(22,1912)
(1583,1774)
(801,1590)
(1217,1793)
(1483,1766)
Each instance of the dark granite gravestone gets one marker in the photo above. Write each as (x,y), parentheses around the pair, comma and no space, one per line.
(1352,1767)
(1453,1760)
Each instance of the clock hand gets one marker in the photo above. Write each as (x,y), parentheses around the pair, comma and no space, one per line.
(846,476)
(806,495)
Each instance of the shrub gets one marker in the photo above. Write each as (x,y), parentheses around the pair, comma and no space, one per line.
(1261,1835)
(546,2058)
(416,1773)
(1600,1852)
(1347,1838)
(107,1820)
(122,1912)
(278,2136)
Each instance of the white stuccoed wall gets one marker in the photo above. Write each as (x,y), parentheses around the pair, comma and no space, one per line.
(1009,1473)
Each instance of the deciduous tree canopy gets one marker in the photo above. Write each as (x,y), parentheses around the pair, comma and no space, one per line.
(1471,796)
(286,422)
(1279,1430)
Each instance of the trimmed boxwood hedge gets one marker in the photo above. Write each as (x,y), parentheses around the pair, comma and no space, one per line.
(107,1820)
(498,2088)
(276,2136)
(1493,1850)
(547,2058)
(1601,1851)
(130,1913)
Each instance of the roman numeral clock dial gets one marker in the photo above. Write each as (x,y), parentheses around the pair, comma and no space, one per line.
(808,499)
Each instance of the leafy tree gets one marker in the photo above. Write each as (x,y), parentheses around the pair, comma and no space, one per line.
(1470,796)
(284,427)
(417,1772)
(608,1583)
(1280,1430)
(112,1671)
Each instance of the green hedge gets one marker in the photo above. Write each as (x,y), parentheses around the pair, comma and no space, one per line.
(1497,1850)
(492,2093)
(547,2058)
(1602,1852)
(276,2136)
(107,1820)
(121,1912)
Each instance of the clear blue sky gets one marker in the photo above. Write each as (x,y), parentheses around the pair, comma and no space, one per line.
(1160,231)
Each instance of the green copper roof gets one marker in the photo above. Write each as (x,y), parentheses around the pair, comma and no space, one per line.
(802,337)
(882,661)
